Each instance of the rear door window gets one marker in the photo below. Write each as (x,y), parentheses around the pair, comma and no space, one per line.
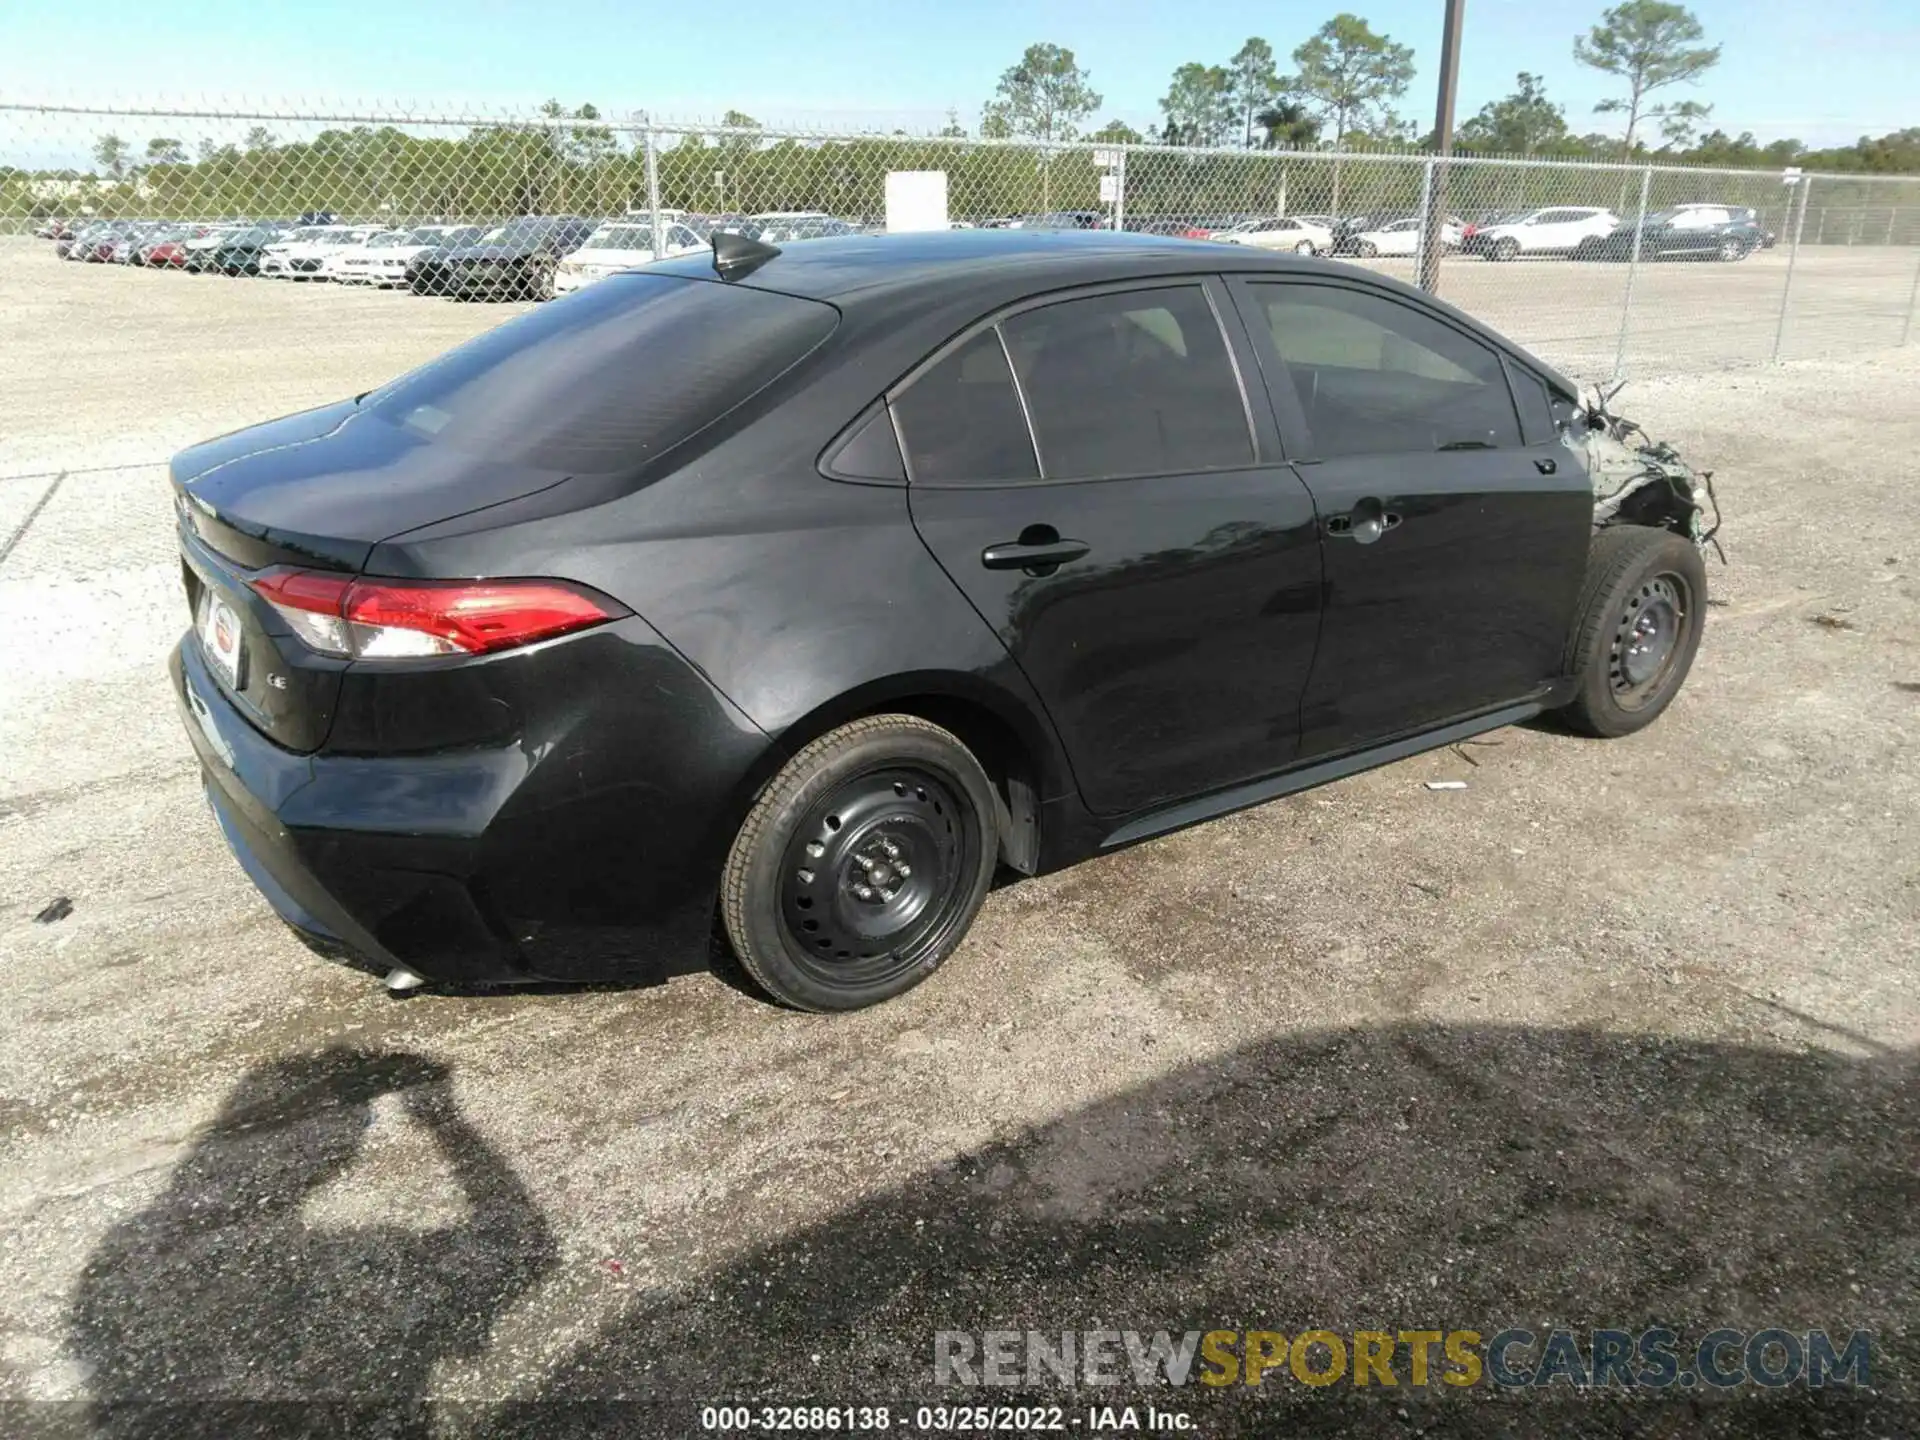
(1136,382)
(961,420)
(1375,375)
(580,387)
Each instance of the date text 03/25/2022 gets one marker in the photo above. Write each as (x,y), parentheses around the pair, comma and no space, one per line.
(944,1419)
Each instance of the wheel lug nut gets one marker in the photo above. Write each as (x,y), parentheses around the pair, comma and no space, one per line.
(903,871)
(865,892)
(806,877)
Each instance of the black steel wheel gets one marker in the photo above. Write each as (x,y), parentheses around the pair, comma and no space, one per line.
(1636,629)
(861,865)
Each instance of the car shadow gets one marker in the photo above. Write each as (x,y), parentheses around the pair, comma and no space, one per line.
(1400,1178)
(1409,1177)
(220,1310)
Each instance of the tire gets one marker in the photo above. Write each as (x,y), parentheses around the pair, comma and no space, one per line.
(1305,247)
(814,896)
(1366,250)
(1731,250)
(1636,629)
(1505,249)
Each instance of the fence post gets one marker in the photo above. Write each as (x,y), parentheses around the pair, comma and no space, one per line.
(1793,254)
(1120,189)
(1913,297)
(1430,233)
(653,191)
(1633,270)
(1892,211)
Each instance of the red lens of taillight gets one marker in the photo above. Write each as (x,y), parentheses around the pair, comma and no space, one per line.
(472,617)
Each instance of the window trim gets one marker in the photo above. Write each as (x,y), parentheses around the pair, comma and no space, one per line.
(1203,281)
(1295,433)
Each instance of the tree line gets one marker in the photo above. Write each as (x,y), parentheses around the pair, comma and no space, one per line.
(1347,82)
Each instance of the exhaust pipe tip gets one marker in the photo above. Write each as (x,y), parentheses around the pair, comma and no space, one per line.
(402,981)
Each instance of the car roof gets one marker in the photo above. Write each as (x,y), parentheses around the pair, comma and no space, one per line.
(860,269)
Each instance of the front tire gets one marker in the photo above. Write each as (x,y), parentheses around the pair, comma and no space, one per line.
(1636,629)
(861,865)
(1305,247)
(1505,249)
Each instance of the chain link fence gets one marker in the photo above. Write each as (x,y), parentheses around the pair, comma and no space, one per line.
(1608,271)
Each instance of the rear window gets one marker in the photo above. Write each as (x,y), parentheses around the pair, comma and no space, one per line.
(609,377)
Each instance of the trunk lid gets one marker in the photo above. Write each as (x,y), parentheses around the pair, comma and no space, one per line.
(317,490)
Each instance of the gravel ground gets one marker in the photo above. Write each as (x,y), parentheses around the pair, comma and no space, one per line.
(1623,1033)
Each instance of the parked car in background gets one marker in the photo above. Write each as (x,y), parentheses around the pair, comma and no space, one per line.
(303,255)
(200,249)
(732,222)
(515,261)
(619,245)
(65,245)
(1281,232)
(242,252)
(167,250)
(1554,230)
(1684,232)
(780,229)
(129,239)
(1397,237)
(476,740)
(1179,229)
(382,259)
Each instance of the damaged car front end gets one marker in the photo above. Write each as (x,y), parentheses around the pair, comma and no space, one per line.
(1641,481)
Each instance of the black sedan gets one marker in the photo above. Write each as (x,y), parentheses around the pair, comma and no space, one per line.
(928,558)
(240,252)
(514,261)
(1687,232)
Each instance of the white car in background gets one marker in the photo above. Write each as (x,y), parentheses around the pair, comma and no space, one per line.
(619,245)
(303,254)
(1401,237)
(382,259)
(1281,232)
(1554,230)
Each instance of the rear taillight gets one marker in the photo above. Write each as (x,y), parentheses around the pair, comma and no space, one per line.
(371,619)
(1468,231)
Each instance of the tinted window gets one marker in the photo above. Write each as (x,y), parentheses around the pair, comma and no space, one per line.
(961,421)
(576,386)
(1374,375)
(1536,411)
(1135,383)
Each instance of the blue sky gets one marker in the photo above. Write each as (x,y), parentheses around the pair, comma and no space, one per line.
(1823,72)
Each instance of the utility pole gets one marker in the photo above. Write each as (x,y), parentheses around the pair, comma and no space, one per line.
(1433,233)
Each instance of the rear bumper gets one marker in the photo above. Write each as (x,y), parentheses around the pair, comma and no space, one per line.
(488,865)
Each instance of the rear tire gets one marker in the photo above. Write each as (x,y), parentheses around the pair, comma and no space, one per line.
(1505,249)
(1636,629)
(1366,250)
(861,865)
(1731,250)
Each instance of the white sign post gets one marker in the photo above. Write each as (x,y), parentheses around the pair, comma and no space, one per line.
(916,200)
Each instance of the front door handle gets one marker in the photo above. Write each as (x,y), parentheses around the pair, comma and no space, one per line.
(1040,550)
(1545,466)
(1363,524)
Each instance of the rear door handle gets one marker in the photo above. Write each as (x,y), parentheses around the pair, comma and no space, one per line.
(1032,555)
